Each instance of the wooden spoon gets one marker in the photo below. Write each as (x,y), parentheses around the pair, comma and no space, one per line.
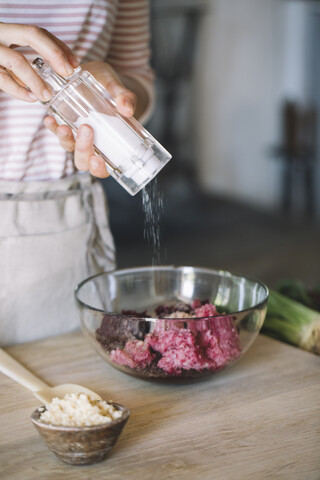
(41,390)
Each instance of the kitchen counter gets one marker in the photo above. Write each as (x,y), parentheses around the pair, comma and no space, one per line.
(258,420)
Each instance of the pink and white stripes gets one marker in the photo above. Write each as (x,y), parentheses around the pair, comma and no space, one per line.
(113,30)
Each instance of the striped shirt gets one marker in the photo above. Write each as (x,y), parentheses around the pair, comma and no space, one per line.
(116,31)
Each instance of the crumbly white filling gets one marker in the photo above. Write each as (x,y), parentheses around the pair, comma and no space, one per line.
(79,410)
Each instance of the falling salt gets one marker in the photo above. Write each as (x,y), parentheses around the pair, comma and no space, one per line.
(153,207)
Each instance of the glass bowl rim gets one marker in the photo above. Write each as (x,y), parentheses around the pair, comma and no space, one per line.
(225,273)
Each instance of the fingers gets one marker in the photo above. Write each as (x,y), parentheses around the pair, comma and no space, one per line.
(125,99)
(66,138)
(71,59)
(97,167)
(51,124)
(47,45)
(15,62)
(16,72)
(84,157)
(126,102)
(63,132)
(9,85)
(83,147)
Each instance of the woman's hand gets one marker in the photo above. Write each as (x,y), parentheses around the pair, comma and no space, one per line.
(84,156)
(16,72)
(19,79)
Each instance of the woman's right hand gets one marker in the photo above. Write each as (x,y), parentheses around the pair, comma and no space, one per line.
(16,72)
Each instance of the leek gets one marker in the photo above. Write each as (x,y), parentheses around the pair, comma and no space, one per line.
(292,322)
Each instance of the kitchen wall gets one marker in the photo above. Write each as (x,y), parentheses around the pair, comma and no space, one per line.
(251,55)
(218,112)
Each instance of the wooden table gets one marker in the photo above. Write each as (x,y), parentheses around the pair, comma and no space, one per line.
(258,420)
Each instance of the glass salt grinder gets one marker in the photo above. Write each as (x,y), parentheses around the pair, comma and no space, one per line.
(132,155)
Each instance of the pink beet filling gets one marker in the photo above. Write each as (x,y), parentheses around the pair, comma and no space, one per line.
(211,344)
(135,354)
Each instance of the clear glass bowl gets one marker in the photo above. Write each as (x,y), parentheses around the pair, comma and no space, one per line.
(117,315)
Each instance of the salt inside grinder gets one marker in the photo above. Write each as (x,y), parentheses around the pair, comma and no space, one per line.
(132,155)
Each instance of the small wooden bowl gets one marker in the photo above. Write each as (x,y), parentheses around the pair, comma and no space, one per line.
(81,445)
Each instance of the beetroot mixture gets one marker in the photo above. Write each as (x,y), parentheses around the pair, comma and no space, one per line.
(175,347)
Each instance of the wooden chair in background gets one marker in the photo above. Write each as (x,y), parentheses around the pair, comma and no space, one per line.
(297,152)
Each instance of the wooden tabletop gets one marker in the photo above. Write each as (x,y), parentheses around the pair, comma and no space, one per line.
(258,420)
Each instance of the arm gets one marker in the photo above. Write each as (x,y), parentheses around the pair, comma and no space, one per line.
(126,74)
(129,53)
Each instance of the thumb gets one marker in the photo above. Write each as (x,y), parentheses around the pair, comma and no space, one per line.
(105,74)
(125,99)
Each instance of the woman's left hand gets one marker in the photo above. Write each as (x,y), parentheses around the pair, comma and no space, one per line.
(84,156)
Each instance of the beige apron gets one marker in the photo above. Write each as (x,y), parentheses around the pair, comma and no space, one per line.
(52,235)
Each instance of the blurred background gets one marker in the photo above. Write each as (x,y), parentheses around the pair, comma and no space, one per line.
(238,105)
